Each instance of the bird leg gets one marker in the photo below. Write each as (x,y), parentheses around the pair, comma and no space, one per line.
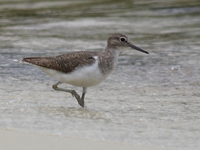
(73,92)
(83,96)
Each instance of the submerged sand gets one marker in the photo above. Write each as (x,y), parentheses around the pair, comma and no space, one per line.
(17,140)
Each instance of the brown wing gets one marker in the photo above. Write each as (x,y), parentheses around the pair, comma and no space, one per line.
(64,63)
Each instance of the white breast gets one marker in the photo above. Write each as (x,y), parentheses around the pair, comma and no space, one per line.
(85,76)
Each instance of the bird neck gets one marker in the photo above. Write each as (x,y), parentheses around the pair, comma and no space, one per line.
(111,50)
(108,60)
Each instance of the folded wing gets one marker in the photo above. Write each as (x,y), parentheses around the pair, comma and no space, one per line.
(64,63)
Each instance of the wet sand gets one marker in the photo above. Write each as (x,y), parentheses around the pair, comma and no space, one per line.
(18,140)
(149,99)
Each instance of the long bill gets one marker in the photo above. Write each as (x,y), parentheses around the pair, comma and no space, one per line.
(137,48)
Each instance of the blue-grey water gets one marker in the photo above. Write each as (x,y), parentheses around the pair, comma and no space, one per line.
(149,99)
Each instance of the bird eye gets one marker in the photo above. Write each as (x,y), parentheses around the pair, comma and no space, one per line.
(122,39)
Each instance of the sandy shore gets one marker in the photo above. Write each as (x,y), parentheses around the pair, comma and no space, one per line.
(17,140)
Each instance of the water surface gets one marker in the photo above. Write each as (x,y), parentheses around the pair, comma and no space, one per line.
(149,99)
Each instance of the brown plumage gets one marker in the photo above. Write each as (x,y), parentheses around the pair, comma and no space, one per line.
(85,68)
(64,63)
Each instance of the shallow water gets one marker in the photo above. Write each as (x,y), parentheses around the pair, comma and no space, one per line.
(149,99)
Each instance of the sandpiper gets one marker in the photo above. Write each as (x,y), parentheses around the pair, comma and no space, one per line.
(84,68)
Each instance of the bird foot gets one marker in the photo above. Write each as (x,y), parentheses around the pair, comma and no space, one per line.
(80,100)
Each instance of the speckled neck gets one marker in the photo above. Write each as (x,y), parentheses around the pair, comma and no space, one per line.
(108,60)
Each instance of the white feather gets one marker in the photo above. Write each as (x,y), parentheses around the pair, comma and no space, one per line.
(85,76)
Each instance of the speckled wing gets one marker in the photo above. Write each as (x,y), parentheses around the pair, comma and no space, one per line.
(64,63)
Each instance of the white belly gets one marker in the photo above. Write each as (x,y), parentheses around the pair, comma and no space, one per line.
(83,77)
